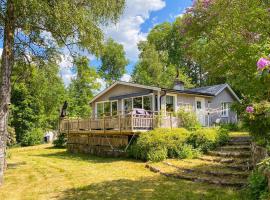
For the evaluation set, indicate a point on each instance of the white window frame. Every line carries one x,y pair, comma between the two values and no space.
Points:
225,107
102,102
132,99
174,102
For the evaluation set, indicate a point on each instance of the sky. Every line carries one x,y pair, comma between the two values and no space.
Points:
139,17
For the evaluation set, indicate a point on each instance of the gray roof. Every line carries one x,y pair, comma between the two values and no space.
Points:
213,90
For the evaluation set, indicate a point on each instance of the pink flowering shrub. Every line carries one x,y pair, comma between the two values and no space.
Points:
262,64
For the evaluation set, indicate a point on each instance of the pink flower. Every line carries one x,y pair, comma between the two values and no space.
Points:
249,109
262,64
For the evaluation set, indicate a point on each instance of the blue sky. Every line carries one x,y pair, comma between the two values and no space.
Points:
139,17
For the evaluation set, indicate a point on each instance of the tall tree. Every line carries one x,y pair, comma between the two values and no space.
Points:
113,61
82,88
228,42
23,26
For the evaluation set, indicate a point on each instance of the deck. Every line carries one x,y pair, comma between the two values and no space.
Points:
125,124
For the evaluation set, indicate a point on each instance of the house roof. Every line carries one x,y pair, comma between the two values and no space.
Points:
210,91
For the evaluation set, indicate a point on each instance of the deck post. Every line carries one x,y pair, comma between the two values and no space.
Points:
131,119
103,123
171,120
78,126
119,121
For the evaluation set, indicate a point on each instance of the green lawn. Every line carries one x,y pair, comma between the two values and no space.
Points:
43,172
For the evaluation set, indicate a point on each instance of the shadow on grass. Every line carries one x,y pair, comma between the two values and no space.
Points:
149,188
84,157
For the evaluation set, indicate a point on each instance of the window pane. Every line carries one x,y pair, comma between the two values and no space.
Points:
147,102
114,108
199,105
169,104
137,102
99,109
128,104
107,108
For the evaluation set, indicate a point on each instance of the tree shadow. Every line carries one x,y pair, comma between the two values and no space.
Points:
148,188
85,157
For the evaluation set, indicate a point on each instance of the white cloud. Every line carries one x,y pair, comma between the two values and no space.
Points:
66,65
128,30
126,78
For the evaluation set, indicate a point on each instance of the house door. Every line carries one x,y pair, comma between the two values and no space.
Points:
200,109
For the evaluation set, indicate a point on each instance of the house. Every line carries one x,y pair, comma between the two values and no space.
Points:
211,104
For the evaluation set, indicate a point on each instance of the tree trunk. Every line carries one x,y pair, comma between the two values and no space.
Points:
5,80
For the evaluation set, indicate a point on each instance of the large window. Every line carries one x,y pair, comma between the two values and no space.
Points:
170,103
225,109
147,102
128,104
107,108
137,102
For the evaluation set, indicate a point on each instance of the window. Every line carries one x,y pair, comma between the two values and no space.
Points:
128,104
114,108
169,103
147,102
224,109
137,102
99,109
198,105
107,108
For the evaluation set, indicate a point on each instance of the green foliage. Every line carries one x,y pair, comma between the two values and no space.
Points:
82,89
33,137
37,94
258,122
257,186
206,139
11,139
162,143
113,61
60,141
230,126
188,119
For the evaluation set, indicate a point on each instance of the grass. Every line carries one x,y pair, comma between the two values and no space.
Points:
43,172
238,133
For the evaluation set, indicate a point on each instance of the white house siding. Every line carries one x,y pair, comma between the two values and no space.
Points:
224,96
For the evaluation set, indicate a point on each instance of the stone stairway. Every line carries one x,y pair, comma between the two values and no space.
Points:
228,165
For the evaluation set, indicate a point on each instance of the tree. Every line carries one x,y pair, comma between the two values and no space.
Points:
82,88
24,25
37,94
113,61
228,42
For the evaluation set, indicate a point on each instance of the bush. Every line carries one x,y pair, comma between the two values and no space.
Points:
188,119
206,139
257,186
162,143
61,140
258,122
230,126
34,137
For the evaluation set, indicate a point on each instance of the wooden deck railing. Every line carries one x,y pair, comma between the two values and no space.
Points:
120,122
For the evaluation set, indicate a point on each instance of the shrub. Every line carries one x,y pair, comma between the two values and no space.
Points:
206,139
257,186
61,140
230,126
188,119
34,137
163,143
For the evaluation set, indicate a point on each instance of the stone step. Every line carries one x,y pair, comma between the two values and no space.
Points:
240,167
218,159
217,172
240,139
235,148
233,154
230,182
236,143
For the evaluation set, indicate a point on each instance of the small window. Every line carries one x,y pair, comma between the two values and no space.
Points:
199,105
137,102
169,103
147,102
224,109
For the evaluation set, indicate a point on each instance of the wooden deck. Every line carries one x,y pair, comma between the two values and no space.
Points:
120,124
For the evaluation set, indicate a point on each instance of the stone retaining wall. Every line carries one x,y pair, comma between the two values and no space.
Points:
97,144
258,154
